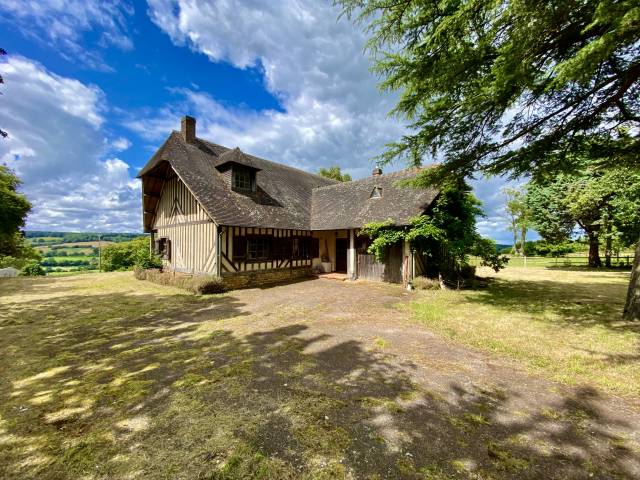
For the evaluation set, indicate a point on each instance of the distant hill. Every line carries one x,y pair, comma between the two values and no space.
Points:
501,246
44,236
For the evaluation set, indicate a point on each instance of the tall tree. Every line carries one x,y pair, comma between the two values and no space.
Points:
509,86
335,173
14,208
519,217
598,202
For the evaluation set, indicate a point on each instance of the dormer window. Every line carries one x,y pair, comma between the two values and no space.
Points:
376,193
244,179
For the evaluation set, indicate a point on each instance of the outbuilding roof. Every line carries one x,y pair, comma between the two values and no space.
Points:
372,199
286,197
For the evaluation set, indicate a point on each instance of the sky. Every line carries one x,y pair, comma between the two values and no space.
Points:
93,87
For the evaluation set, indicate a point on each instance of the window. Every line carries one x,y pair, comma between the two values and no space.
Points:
243,179
162,247
376,193
295,248
258,248
305,247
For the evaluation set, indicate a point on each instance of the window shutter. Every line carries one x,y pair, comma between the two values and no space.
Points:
239,247
315,247
156,247
168,250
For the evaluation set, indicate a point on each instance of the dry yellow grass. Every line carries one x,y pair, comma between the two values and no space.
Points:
564,324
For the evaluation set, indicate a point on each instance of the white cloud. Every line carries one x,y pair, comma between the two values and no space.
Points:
57,147
120,144
63,23
313,63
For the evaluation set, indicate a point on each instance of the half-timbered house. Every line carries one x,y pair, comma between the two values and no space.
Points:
215,210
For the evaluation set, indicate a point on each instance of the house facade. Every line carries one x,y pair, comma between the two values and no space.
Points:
220,211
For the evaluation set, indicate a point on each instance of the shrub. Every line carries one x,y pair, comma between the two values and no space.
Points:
144,259
33,269
124,255
425,283
198,284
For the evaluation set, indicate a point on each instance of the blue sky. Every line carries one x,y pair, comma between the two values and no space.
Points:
93,87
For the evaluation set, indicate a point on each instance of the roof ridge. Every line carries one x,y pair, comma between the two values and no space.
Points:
277,164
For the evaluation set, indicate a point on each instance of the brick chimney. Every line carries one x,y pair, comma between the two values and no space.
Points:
188,129
377,171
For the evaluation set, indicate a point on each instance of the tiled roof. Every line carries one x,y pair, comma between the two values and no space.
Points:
286,197
352,205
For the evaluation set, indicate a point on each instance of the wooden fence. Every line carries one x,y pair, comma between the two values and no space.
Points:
562,261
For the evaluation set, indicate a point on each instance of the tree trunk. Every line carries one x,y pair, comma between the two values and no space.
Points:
632,307
594,254
608,250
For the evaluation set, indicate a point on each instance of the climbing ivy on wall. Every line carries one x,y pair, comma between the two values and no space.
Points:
449,225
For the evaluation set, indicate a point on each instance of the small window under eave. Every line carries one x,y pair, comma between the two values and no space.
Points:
376,193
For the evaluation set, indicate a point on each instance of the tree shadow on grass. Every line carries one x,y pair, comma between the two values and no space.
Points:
173,393
580,304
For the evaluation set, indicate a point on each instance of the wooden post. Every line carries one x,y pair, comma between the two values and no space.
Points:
351,256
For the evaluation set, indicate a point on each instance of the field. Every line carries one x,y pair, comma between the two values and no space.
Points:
107,377
66,253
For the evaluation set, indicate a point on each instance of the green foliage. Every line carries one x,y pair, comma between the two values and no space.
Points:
519,216
449,224
124,255
603,203
543,248
335,173
383,235
144,258
485,248
508,86
32,269
14,208
549,211
21,252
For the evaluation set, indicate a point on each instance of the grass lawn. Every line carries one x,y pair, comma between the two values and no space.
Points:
564,324
106,377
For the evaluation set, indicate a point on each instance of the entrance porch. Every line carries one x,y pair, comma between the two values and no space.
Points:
344,252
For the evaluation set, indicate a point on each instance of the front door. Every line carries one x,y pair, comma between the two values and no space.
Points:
342,245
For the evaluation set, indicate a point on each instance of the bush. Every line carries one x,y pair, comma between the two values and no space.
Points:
33,269
124,255
144,259
426,283
198,284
